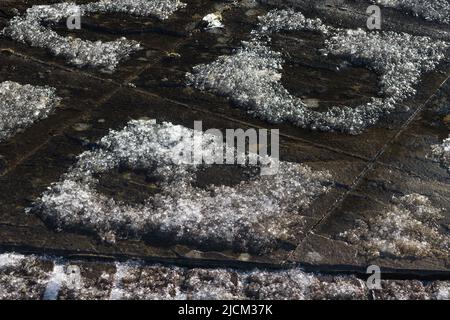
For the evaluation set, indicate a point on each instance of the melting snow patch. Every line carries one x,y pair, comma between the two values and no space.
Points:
252,76
30,29
399,59
22,105
437,10
442,153
253,215
410,228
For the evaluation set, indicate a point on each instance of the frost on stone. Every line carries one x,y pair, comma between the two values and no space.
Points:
441,153
408,229
251,77
22,105
436,10
253,215
33,29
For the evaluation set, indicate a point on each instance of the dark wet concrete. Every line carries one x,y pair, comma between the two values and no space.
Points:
387,159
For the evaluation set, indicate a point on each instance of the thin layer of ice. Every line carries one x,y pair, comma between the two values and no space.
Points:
254,215
251,77
409,229
30,29
22,105
436,10
442,153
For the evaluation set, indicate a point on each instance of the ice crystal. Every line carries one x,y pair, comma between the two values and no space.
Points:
442,153
251,77
437,10
22,105
213,20
31,29
410,228
253,215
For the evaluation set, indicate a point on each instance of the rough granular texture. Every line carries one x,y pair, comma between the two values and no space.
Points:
21,277
107,55
162,9
22,105
436,10
441,152
288,20
409,229
251,77
398,58
253,215
35,277
135,281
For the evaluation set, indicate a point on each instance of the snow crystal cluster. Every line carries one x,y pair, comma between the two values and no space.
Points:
442,153
30,29
399,59
22,105
409,229
35,277
437,10
162,9
134,281
288,20
251,77
212,21
253,215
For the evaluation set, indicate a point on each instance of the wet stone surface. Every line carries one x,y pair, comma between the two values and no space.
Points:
385,196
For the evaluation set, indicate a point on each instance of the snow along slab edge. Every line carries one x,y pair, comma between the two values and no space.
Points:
45,277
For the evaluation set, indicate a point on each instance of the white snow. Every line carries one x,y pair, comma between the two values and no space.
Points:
251,77
213,20
441,152
252,215
107,55
437,10
409,228
22,105
28,279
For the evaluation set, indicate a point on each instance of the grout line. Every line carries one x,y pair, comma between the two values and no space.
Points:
368,168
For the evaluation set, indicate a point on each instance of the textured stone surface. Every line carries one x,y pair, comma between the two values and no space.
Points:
37,277
387,199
